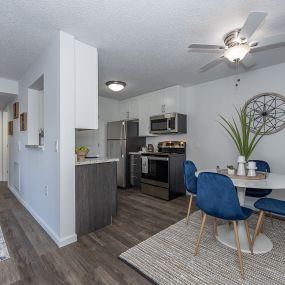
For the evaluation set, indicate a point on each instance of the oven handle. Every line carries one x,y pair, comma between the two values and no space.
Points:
168,124
157,158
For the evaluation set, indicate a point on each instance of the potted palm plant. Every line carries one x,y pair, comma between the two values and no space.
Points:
240,132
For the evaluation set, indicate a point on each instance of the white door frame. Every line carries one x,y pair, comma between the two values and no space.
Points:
5,150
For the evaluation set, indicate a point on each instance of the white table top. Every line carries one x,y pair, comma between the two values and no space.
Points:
273,181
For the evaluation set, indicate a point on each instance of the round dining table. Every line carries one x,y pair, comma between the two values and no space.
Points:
226,236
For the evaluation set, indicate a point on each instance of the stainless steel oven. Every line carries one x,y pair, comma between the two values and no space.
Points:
155,170
162,171
168,123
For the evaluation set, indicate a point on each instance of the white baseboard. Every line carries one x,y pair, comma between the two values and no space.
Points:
60,242
67,240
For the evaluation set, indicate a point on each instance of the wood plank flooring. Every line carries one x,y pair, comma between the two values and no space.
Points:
35,259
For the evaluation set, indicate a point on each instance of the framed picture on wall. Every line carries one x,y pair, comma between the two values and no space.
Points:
23,121
16,110
10,128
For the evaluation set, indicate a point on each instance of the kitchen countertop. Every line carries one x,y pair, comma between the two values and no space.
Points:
135,152
96,160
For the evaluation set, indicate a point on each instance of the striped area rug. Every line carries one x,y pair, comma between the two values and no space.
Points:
167,258
4,254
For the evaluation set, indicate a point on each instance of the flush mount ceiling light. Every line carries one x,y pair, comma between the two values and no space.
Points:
237,53
116,85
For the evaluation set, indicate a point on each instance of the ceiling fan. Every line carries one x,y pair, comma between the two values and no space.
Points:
238,42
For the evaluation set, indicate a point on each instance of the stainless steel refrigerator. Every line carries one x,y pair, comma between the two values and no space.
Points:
122,138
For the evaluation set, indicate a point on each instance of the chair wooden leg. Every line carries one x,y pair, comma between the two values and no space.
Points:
238,249
215,227
261,224
200,233
257,228
248,236
189,209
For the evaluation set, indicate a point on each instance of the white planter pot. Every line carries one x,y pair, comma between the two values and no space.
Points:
251,172
241,166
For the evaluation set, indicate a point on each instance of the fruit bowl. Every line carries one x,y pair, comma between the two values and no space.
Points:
81,152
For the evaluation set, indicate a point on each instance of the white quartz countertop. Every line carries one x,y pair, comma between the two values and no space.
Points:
96,160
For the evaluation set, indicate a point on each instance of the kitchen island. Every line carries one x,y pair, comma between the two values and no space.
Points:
95,193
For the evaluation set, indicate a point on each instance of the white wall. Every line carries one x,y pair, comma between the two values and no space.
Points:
9,86
54,166
96,140
67,138
35,115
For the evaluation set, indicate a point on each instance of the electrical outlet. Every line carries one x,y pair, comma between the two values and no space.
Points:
46,190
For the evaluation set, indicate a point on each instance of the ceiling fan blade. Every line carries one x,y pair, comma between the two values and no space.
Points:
202,46
211,64
248,62
270,42
251,24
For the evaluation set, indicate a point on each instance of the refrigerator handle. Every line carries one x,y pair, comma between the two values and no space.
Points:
122,137
124,130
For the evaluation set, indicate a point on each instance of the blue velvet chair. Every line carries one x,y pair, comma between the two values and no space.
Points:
190,182
267,205
259,193
217,197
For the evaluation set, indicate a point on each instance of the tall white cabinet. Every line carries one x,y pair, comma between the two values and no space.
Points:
86,86
166,100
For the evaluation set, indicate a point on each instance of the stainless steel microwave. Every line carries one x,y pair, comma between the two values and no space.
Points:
168,123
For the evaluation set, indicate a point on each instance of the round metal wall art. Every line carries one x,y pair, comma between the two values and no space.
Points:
267,110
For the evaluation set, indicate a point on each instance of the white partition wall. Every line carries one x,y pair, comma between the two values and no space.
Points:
47,175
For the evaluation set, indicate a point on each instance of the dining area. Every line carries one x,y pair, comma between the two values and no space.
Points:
222,238
221,193
221,198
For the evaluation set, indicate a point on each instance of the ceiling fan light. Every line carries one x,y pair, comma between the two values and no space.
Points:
116,85
236,53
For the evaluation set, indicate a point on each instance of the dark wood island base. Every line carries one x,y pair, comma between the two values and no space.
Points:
95,195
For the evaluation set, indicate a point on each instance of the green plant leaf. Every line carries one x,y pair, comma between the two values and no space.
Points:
240,132
234,133
232,136
238,136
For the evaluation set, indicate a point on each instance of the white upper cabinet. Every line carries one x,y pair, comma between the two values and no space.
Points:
155,103
86,86
171,100
142,107
133,108
129,109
